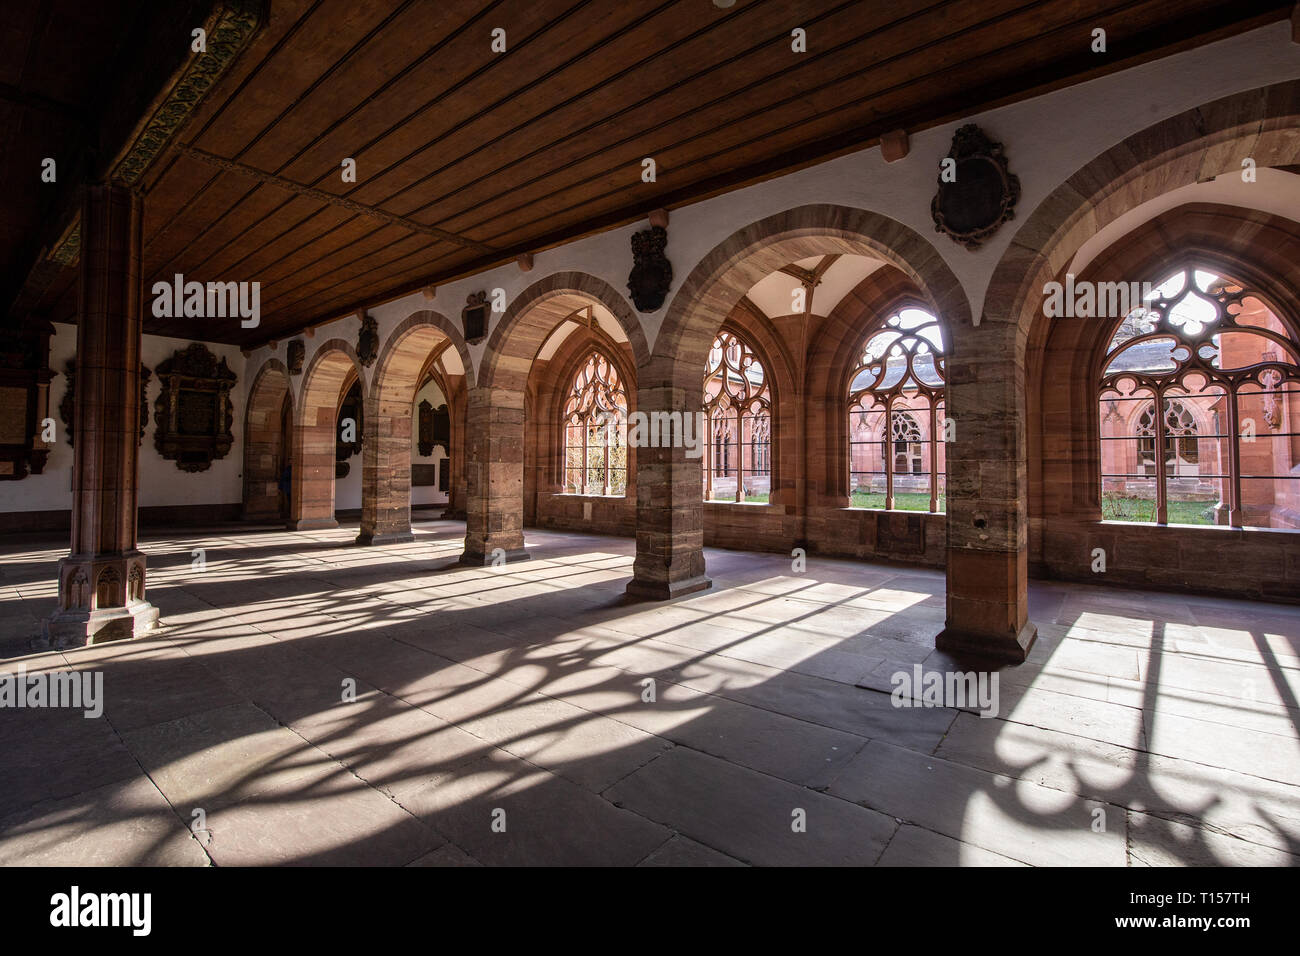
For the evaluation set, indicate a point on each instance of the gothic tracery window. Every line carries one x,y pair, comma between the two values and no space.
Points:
595,430
738,416
896,416
1222,369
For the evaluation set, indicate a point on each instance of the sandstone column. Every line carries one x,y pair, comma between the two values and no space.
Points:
313,464
386,471
494,475
669,507
988,488
102,580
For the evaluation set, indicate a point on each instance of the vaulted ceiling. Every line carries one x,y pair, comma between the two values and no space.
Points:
466,157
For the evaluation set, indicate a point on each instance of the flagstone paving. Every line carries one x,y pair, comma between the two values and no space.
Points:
308,701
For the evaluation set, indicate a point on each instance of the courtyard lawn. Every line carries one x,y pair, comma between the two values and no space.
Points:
1115,508
902,502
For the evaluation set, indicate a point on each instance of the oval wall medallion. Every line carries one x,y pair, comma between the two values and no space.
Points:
977,193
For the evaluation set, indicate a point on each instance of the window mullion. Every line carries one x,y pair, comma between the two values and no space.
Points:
1162,505
1234,461
586,445
889,455
740,455
608,463
710,453
934,458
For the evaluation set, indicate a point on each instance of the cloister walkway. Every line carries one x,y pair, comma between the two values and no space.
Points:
507,716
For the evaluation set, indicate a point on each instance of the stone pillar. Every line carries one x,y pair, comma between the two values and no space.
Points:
988,490
264,456
312,505
457,492
494,475
386,471
102,580
669,506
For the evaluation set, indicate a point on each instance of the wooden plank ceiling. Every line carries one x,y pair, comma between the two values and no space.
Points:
466,157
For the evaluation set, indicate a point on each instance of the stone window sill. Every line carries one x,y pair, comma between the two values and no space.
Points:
1112,523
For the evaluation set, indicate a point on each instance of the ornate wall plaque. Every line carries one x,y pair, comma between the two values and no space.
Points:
24,400
475,316
982,194
434,428
368,341
297,352
193,413
652,273
424,443
68,404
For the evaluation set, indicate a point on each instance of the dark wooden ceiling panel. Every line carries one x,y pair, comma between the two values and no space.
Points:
467,157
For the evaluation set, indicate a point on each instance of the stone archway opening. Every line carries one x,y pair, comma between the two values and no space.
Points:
315,439
1256,129
495,420
670,557
422,339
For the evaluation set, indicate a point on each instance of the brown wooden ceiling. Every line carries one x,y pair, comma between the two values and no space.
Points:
490,155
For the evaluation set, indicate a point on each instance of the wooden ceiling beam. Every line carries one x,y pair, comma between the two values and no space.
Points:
320,195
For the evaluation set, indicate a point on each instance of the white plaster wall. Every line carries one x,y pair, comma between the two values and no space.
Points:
161,482
347,490
1047,139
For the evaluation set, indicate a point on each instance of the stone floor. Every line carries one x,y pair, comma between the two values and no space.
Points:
1144,729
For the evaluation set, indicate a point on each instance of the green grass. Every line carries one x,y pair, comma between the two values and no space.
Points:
1116,508
902,502
749,499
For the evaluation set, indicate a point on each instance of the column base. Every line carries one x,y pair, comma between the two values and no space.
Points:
311,524
77,628
372,538
667,590
1001,648
477,559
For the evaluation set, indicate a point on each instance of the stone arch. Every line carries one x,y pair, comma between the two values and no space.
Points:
495,439
718,281
266,446
670,558
548,500
314,439
529,319
386,451
757,330
831,359
549,391
456,394
1065,362
1192,147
